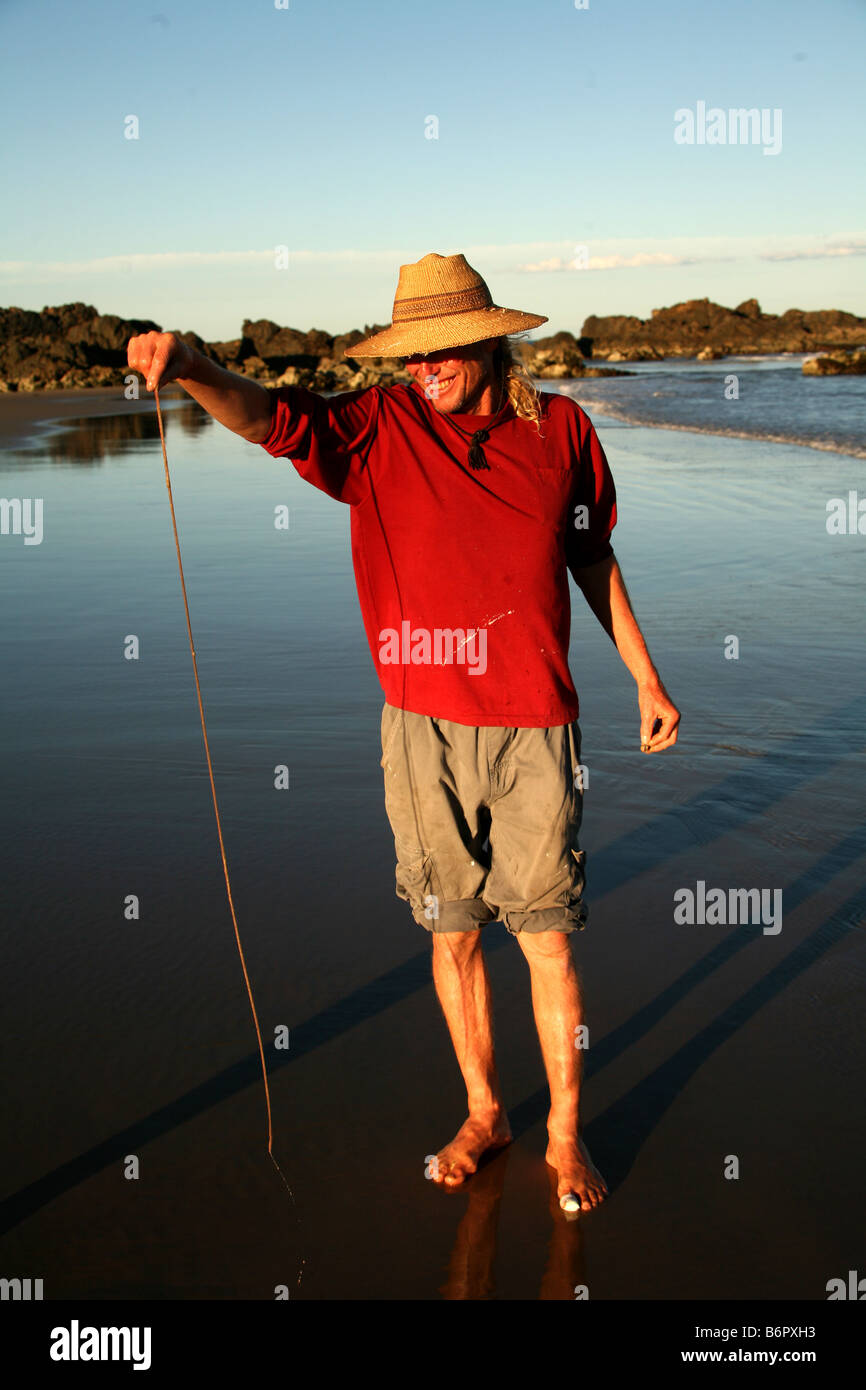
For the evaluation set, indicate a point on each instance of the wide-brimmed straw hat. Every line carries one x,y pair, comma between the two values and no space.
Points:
441,302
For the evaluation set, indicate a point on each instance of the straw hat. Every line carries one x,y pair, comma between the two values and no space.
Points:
441,302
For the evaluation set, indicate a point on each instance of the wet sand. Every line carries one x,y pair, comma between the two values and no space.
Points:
707,1043
25,414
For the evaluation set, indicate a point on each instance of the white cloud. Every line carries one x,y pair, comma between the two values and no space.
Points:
641,258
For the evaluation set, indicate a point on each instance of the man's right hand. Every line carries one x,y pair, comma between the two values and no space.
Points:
160,357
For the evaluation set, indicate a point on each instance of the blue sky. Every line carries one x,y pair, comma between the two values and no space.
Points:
307,127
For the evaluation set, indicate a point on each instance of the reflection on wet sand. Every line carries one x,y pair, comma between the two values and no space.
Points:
473,1257
470,1269
91,440
564,1276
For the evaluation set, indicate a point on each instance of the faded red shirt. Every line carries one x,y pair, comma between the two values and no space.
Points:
462,575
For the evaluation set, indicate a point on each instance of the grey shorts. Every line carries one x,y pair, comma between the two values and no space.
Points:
485,823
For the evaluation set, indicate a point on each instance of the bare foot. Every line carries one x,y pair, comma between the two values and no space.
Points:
479,1133
575,1170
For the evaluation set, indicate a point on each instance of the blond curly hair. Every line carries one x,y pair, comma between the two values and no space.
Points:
510,367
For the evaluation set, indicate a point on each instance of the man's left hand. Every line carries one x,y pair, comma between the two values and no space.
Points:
656,708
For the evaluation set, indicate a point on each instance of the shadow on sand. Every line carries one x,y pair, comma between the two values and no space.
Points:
616,1136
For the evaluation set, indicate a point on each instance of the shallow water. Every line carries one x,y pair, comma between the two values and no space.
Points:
133,1037
749,397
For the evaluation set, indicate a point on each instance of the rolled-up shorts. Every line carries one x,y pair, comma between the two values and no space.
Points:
485,823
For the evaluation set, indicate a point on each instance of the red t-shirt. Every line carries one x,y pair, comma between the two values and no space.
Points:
461,574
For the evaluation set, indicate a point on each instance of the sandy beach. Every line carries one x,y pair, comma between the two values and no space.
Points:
24,414
133,1037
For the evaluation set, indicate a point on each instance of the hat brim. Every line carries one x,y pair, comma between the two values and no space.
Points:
438,334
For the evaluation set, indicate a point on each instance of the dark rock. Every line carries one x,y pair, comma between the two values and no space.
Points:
558,358
837,364
40,349
346,341
683,330
227,354
256,367
74,345
265,339
318,344
191,339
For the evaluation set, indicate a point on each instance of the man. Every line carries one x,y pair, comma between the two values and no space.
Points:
472,497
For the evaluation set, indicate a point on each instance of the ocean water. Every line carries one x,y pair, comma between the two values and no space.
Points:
747,397
127,1033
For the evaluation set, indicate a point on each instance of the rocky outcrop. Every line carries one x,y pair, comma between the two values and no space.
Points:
73,345
699,326
836,364
560,357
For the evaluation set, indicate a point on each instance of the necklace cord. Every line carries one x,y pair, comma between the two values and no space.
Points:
477,459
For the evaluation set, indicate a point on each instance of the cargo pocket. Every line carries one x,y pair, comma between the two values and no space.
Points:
577,908
414,880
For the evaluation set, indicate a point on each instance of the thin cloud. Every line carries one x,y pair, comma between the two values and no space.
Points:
641,258
169,260
600,256
852,248
711,255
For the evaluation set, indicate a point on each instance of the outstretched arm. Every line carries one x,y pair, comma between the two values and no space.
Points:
237,402
603,587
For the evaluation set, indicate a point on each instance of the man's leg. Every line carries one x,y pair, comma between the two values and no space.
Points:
463,988
557,1002
437,783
